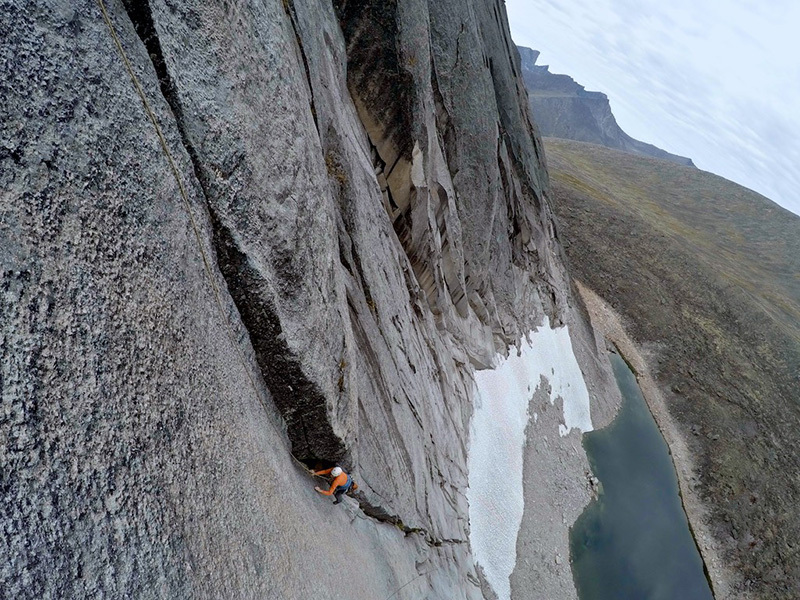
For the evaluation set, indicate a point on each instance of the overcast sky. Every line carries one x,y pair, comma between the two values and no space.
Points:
715,80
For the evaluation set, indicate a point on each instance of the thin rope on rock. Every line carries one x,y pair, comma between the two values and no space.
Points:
405,584
184,196
227,325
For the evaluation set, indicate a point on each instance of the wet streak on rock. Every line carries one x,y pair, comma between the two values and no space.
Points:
376,79
444,125
382,90
520,191
141,16
300,402
291,11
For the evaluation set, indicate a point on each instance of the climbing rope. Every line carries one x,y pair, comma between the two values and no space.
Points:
393,594
227,325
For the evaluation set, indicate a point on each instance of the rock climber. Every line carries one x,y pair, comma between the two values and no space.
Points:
341,484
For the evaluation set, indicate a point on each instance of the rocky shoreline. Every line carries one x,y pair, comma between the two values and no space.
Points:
609,324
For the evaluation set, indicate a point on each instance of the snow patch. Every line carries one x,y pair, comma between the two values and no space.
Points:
497,439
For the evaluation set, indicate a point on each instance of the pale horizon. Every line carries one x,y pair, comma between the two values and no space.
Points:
716,82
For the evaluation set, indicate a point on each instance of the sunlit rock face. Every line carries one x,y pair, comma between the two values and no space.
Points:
339,212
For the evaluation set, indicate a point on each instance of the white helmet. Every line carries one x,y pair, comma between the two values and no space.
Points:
336,471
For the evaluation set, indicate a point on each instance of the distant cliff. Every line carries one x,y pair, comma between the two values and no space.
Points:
564,109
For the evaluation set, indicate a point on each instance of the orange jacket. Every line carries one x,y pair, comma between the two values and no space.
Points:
340,480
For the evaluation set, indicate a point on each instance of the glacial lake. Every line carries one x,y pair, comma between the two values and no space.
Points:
633,542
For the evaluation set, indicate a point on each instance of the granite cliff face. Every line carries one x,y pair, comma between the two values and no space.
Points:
234,233
564,109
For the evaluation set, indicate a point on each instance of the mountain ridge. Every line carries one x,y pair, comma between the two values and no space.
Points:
703,272
564,109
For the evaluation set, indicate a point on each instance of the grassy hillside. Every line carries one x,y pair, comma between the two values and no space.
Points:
707,274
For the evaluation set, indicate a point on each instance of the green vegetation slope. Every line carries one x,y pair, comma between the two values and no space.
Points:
707,275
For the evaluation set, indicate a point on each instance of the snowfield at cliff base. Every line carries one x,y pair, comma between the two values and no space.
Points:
497,439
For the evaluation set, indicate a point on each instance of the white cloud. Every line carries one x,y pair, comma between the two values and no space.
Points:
717,81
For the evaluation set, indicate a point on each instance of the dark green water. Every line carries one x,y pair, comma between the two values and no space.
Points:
633,543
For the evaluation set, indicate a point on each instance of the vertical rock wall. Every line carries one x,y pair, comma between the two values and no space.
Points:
339,213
